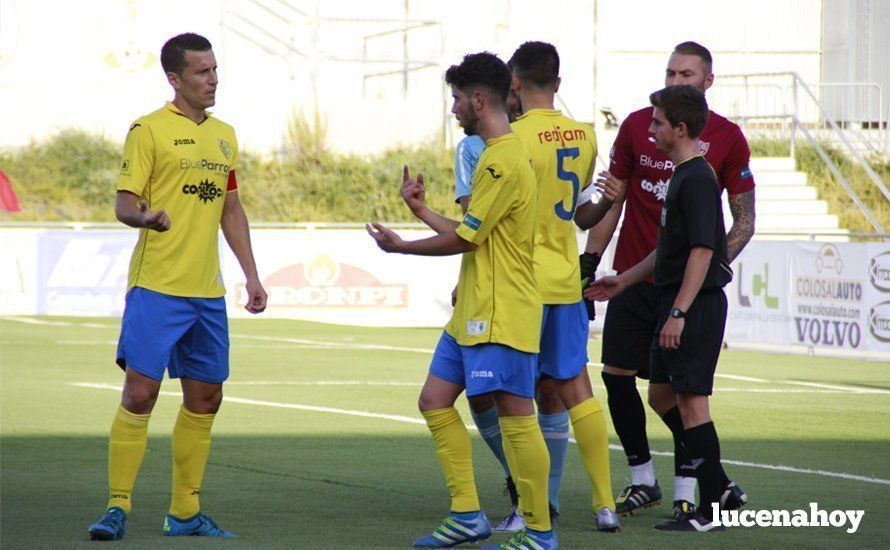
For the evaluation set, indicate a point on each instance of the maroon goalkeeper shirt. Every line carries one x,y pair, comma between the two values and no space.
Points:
647,170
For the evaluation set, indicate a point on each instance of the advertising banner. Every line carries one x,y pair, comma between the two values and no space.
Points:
759,295
340,276
83,272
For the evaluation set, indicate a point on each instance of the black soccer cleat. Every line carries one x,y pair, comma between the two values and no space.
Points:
692,524
733,497
683,509
636,497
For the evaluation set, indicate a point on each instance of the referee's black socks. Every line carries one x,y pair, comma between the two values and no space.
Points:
628,416
682,460
704,447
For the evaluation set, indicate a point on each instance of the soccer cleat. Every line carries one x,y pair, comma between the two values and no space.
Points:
198,525
683,509
513,522
111,526
607,521
457,529
527,539
694,523
635,497
733,497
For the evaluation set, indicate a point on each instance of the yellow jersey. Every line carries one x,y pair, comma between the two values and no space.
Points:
563,153
497,296
185,168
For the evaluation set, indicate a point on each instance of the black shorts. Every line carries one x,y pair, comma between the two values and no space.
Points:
690,368
627,330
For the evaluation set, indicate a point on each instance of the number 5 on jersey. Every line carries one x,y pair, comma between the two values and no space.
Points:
569,176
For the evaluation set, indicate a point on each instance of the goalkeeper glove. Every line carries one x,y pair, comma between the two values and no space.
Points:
589,262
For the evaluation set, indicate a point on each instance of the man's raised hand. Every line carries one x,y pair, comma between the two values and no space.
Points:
604,289
387,239
413,191
612,188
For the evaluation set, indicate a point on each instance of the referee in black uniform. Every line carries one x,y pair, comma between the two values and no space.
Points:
690,270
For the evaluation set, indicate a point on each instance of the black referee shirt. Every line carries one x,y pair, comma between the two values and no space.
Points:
692,216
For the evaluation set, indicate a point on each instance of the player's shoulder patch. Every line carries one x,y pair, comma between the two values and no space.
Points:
472,222
745,173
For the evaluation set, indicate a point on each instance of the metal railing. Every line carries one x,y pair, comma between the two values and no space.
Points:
778,105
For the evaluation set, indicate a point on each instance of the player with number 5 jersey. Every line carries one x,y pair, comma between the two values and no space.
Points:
563,154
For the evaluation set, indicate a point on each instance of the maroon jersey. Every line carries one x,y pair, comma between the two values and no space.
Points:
635,159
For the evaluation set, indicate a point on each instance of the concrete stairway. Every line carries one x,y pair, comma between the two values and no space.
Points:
786,203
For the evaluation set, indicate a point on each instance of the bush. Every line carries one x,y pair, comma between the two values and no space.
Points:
71,177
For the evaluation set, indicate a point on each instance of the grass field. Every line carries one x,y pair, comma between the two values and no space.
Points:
319,443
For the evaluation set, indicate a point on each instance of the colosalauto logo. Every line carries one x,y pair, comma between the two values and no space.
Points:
207,191
879,321
659,188
879,271
324,282
814,517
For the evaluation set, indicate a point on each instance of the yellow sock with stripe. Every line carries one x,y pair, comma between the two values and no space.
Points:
191,447
126,447
530,466
454,449
589,425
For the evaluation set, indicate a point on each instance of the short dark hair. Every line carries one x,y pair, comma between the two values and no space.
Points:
684,104
173,52
481,70
536,62
696,49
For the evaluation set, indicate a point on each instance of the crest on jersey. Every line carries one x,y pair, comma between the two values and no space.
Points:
225,148
704,146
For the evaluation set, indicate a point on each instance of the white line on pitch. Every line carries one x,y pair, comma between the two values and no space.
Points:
852,389
323,383
332,345
742,378
412,420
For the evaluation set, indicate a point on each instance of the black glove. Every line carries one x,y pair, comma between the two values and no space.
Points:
589,262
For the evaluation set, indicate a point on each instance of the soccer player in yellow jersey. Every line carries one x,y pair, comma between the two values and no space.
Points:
563,155
490,344
177,185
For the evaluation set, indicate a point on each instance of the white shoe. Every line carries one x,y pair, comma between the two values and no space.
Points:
513,522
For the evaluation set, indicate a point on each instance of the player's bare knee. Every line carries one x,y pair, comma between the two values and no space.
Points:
694,409
548,399
481,403
139,398
609,369
661,398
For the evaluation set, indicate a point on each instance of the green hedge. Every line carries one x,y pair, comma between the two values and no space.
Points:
71,177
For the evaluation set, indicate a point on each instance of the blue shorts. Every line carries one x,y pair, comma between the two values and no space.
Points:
485,368
188,337
564,331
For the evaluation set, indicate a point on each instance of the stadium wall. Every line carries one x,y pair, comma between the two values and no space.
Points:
800,296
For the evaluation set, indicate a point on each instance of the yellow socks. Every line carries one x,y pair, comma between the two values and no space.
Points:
126,447
589,425
454,450
530,465
191,446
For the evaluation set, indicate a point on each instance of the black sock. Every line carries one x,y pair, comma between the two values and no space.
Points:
628,417
704,446
682,460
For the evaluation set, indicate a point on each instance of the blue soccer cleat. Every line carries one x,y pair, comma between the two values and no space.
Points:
528,539
457,529
112,526
198,525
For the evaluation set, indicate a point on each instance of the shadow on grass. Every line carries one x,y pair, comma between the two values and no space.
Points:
366,492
